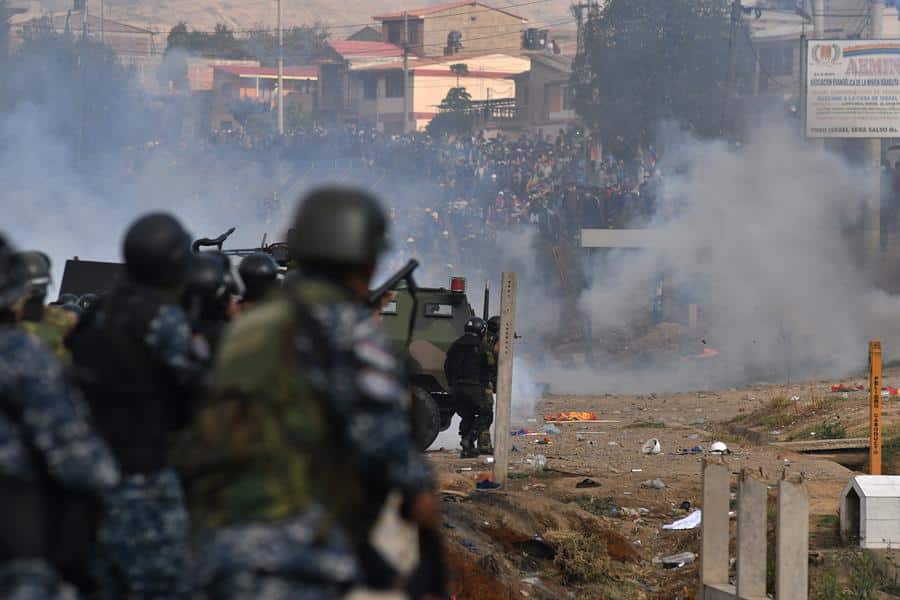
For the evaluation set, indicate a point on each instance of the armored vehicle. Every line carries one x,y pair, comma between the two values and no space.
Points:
441,315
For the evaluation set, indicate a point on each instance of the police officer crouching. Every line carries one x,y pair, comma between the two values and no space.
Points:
133,356
468,371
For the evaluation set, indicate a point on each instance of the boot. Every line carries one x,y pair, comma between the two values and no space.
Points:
484,443
468,448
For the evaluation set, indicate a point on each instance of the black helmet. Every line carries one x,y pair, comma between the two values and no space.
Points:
157,251
259,272
493,325
338,225
87,300
37,268
13,276
205,276
231,284
67,299
476,325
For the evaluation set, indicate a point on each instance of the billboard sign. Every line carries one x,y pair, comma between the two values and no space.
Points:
853,89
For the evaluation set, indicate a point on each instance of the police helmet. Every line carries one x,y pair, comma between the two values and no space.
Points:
157,251
231,282
13,276
259,272
67,299
338,225
493,325
206,276
476,325
37,269
87,300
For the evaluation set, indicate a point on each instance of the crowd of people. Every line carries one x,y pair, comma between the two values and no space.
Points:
182,442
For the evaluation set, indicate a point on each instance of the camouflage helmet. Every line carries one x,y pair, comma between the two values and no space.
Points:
13,276
476,325
339,225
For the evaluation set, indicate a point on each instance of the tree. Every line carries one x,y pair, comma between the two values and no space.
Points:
455,117
646,62
457,99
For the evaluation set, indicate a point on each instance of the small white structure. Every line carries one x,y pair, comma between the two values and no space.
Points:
870,511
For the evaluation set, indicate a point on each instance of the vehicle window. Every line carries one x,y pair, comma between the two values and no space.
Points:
444,311
390,308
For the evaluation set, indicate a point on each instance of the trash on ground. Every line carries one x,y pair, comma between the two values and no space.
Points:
890,391
514,448
840,387
688,451
488,460
698,421
652,446
795,398
676,561
551,429
637,470
692,521
718,448
520,431
537,462
462,469
686,505
572,415
587,483
487,484
468,544
643,511
654,484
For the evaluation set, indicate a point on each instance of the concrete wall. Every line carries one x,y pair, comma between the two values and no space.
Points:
483,30
543,100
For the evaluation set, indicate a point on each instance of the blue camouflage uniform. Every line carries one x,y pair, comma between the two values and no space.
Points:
40,415
288,463
143,542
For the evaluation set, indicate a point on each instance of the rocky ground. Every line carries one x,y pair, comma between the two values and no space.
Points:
543,536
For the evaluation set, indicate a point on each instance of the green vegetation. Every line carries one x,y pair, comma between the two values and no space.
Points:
595,505
829,430
580,558
647,424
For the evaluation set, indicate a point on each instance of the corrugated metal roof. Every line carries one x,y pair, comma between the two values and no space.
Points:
359,49
876,486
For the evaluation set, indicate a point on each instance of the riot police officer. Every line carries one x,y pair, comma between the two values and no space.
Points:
307,387
259,273
133,354
50,324
486,411
206,298
53,467
468,371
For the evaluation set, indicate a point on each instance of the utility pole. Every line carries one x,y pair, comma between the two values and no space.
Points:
84,23
872,225
405,72
102,23
280,74
732,63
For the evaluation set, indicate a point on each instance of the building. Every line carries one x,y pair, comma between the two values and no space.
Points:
334,95
376,90
366,34
870,511
465,26
543,94
259,84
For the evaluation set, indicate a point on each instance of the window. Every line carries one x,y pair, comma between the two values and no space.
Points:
567,98
370,87
394,32
390,308
777,60
442,311
394,85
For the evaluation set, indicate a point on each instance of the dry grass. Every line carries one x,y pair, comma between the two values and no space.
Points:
581,559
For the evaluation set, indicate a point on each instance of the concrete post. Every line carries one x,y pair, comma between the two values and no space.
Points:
751,538
504,376
714,561
792,541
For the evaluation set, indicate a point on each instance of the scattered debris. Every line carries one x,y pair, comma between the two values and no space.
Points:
698,421
676,561
587,483
637,470
692,521
537,462
840,387
488,460
688,451
686,505
652,446
654,484
890,391
571,416
551,429
487,484
718,448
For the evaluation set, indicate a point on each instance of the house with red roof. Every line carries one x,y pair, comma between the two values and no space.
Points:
469,26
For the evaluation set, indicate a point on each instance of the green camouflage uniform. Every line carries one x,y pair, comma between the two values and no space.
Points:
486,408
52,330
285,471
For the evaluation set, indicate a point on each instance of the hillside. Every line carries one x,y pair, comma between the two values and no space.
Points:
160,15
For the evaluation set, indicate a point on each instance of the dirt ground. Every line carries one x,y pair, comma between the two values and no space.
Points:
542,537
